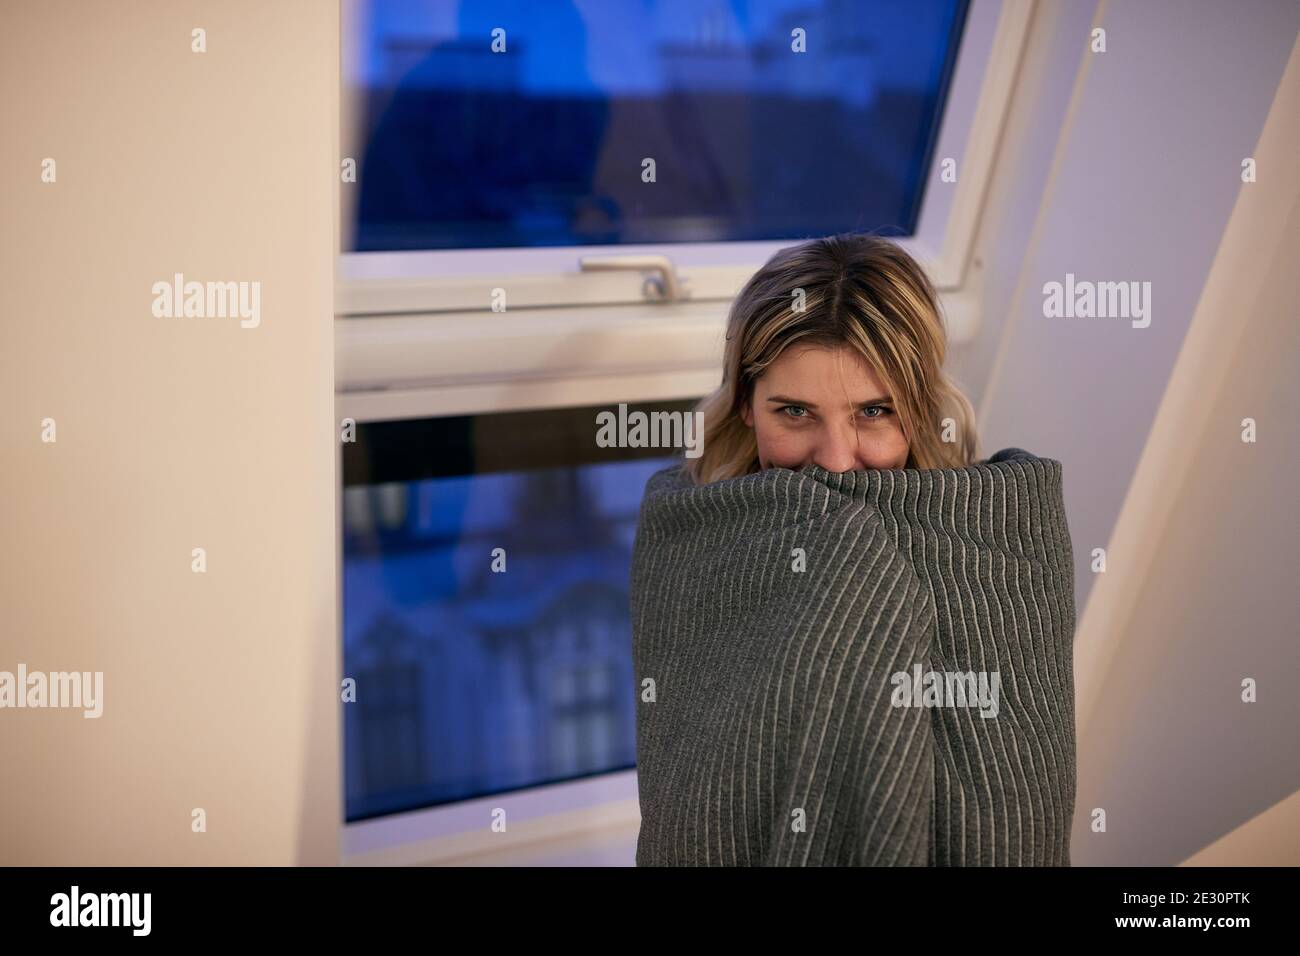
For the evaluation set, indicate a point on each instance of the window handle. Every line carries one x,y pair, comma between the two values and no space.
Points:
665,286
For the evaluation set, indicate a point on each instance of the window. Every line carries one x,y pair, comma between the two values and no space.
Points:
520,124
485,575
478,171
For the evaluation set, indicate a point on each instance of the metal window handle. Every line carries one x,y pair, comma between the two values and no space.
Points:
665,286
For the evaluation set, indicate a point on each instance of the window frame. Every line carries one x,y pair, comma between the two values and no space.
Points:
605,805
413,341
440,281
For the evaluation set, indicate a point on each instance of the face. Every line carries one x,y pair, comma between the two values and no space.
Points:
824,406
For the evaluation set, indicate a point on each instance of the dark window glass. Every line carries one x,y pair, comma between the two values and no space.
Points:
543,144
468,681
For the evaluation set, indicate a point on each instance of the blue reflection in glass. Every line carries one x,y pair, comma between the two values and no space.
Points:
471,681
545,143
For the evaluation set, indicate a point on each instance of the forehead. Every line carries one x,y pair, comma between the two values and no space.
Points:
824,371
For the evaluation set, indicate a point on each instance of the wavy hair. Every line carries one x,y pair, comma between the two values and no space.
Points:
854,290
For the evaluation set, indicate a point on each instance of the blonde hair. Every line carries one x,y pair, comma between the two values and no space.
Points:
854,290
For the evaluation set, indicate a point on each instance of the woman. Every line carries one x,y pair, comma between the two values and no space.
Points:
852,640
868,369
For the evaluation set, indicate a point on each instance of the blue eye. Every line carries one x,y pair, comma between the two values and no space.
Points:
883,409
789,409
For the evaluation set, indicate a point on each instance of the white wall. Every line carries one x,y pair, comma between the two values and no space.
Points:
1117,166
1200,593
172,433
1127,166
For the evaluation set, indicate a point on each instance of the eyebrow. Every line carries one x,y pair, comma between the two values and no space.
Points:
878,400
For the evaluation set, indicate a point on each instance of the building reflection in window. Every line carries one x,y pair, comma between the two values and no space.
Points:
469,680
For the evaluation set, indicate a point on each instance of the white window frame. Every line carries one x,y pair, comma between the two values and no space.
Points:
561,815
460,280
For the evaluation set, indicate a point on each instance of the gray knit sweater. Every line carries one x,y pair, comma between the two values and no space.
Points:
867,668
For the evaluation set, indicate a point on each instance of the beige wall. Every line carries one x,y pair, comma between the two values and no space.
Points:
172,433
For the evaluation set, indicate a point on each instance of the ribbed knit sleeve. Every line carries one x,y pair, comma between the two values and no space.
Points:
772,618
992,546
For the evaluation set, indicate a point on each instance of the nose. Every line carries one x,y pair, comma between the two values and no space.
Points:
837,449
